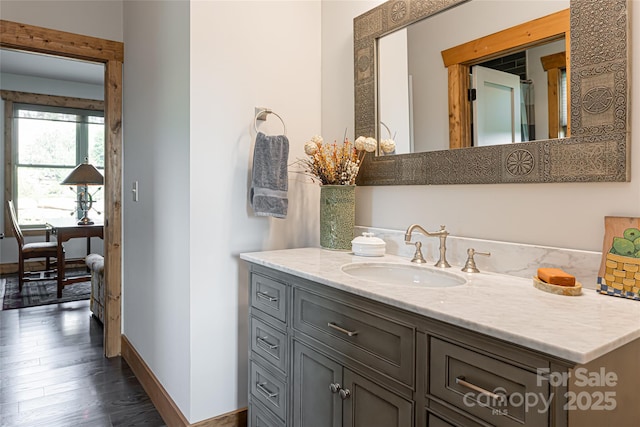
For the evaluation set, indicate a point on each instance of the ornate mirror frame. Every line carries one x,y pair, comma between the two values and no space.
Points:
599,146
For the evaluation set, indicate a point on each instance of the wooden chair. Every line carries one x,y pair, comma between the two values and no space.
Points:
26,251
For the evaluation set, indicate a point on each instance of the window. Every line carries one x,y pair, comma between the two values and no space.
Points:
46,143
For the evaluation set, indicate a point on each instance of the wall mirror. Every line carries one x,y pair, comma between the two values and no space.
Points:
597,100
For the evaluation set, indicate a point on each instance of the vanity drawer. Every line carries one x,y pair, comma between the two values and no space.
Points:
269,296
269,389
470,381
269,343
259,416
376,341
435,421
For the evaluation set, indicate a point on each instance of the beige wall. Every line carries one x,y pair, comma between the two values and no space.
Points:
563,215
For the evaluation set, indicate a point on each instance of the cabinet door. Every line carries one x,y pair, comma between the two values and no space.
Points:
315,403
369,405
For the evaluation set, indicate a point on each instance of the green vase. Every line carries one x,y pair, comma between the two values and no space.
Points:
337,216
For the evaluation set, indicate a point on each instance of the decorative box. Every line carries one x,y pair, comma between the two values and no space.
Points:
368,245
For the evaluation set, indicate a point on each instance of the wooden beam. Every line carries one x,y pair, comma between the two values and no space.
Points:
113,207
8,163
52,100
459,107
556,60
510,40
553,102
553,65
14,35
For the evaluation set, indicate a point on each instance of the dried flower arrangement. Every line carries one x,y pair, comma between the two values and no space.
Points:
339,164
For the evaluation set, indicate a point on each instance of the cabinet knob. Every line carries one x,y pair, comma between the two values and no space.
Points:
334,387
345,393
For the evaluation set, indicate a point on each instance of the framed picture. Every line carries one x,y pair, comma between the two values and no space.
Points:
619,273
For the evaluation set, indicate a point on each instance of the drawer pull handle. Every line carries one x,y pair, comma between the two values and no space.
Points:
345,393
262,342
261,387
344,331
497,397
334,387
267,297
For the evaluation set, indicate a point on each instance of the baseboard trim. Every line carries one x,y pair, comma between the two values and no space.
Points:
237,418
12,267
167,408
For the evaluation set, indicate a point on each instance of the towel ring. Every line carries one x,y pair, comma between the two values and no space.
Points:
262,115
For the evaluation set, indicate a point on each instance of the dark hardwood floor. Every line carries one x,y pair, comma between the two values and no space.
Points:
53,372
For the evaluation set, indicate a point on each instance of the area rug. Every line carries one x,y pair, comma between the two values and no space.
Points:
42,292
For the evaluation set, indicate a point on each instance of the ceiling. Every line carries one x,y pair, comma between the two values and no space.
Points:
51,67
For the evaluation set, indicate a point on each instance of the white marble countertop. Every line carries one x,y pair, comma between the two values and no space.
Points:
577,329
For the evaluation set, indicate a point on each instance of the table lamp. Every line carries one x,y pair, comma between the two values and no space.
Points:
84,175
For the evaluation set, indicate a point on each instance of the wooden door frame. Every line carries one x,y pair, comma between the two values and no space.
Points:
30,38
459,60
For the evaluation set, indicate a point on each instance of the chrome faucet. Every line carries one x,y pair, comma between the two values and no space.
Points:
417,256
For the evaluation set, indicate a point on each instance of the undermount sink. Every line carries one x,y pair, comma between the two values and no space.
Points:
401,274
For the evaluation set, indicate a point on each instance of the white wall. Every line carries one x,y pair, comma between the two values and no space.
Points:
97,18
193,75
243,55
156,275
564,215
393,91
538,75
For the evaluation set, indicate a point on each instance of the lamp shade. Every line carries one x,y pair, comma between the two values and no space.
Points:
84,174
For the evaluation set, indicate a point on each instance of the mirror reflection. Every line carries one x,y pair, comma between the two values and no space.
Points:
515,94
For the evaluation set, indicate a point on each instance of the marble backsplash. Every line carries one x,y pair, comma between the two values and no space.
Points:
515,259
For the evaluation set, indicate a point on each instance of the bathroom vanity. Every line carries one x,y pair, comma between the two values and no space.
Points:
328,348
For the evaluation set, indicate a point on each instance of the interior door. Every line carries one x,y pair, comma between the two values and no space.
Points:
496,108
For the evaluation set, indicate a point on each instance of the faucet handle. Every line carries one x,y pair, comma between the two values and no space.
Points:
470,265
417,256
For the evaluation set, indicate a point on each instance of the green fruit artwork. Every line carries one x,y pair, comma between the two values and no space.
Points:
631,234
636,243
613,251
624,247
637,255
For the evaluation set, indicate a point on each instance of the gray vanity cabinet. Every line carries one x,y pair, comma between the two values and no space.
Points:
321,357
317,381
327,394
370,405
268,352
485,385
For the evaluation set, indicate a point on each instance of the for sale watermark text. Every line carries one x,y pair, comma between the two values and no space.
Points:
586,390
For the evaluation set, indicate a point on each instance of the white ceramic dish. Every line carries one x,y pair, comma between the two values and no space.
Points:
368,245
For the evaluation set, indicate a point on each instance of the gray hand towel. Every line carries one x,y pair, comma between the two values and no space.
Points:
269,180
